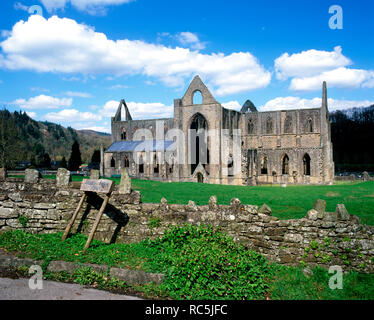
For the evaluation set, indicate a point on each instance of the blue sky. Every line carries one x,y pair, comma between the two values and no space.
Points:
74,63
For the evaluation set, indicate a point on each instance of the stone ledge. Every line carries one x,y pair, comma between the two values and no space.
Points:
131,277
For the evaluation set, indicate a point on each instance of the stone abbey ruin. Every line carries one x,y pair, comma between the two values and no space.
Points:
208,143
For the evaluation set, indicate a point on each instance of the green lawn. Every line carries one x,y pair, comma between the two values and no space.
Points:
198,262
291,202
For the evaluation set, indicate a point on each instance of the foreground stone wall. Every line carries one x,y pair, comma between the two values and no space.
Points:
321,238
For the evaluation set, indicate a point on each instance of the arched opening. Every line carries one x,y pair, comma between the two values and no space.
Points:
123,134
264,165
309,125
285,164
230,166
199,152
306,165
269,125
251,127
156,166
126,162
141,165
200,177
197,97
288,124
112,163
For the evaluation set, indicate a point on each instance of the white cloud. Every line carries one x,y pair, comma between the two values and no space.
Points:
72,115
78,94
90,6
309,63
292,103
31,114
191,40
62,45
309,69
233,105
118,86
139,110
43,102
337,78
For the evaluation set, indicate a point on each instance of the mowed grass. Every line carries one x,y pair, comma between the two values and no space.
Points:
291,202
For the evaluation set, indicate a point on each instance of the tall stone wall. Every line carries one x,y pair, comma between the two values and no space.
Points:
321,238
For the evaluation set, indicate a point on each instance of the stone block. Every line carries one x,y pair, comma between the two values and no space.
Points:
8,213
342,212
32,176
95,174
320,207
312,214
265,209
125,184
63,178
3,174
293,237
331,216
134,277
213,203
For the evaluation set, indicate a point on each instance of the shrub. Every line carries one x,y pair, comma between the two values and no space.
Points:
207,264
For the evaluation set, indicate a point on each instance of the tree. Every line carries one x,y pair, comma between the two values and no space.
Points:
96,156
75,158
63,163
10,150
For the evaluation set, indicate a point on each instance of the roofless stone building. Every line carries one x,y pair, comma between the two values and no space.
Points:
207,143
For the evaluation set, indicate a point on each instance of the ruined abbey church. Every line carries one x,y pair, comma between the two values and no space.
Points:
205,142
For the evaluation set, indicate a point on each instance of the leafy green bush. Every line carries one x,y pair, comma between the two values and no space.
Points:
207,264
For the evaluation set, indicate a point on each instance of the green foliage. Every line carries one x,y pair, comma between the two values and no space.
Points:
23,220
291,284
154,222
207,264
314,245
75,158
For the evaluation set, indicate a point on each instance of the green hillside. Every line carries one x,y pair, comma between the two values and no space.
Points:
24,139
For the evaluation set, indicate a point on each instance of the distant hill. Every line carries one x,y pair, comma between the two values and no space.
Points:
352,135
23,138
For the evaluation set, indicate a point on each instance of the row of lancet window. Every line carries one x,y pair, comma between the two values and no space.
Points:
288,128
285,165
156,166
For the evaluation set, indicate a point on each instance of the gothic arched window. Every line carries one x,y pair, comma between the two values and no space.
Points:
285,164
269,125
264,165
288,124
306,165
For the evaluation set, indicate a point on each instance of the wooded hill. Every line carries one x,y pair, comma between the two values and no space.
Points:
24,139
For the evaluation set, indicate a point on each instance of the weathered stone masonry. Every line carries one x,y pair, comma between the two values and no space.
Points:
340,238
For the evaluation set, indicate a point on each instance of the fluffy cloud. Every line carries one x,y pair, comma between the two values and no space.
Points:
43,102
139,110
338,78
62,45
78,94
291,103
72,115
233,105
190,39
309,63
309,69
90,6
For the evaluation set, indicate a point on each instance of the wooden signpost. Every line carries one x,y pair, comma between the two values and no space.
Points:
90,185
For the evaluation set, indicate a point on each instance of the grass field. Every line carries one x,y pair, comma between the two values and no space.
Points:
291,202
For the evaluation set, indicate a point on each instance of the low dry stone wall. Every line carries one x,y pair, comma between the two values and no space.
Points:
321,238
